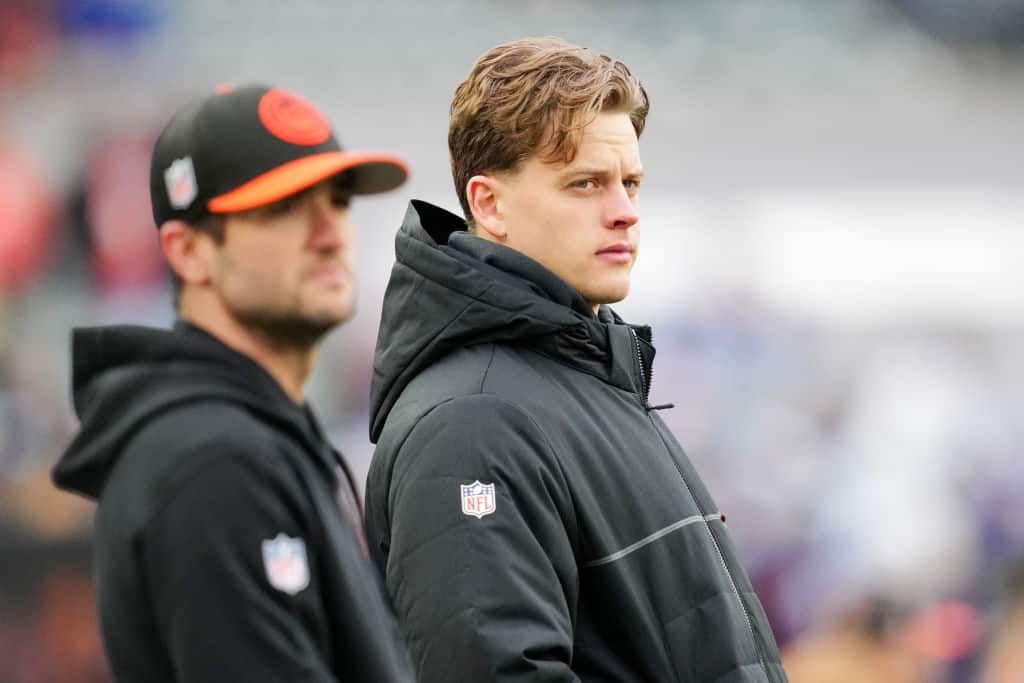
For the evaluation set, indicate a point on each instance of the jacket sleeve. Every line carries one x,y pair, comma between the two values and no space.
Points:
488,596
229,606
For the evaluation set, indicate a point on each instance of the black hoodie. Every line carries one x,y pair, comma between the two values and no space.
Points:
534,516
221,553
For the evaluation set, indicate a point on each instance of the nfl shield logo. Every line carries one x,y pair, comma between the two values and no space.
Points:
284,560
477,499
180,179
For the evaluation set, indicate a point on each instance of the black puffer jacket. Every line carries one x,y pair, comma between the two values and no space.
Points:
598,555
220,551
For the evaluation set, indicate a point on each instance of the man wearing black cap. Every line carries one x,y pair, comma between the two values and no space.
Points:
228,532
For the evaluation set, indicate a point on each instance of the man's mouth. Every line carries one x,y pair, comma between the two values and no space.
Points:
620,252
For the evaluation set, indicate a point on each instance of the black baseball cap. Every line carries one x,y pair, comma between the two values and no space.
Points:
242,148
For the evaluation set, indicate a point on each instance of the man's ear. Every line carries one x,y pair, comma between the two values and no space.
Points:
483,193
186,252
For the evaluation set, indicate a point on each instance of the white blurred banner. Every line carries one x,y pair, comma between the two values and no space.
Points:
847,257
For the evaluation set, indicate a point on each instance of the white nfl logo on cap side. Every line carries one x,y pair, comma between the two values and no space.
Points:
180,178
284,560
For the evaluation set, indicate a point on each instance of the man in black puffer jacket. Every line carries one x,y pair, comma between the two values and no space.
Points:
535,518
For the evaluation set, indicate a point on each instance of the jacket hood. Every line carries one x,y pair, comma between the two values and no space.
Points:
450,289
124,375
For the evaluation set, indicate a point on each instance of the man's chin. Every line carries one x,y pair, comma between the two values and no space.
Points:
297,331
610,295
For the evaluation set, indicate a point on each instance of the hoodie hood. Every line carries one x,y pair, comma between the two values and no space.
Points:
450,289
123,376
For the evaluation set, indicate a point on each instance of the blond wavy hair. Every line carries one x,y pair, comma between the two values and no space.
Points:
534,96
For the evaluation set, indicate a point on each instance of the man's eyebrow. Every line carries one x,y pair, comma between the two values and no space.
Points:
636,174
583,170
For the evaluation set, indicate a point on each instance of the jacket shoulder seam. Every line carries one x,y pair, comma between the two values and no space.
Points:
552,454
487,369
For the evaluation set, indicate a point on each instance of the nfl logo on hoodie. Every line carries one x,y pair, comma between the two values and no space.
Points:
477,499
284,560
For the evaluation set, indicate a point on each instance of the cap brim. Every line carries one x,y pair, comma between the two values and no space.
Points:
371,172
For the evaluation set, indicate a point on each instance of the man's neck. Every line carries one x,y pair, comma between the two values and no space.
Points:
289,365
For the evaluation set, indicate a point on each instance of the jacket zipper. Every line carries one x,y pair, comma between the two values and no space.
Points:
721,558
645,386
645,382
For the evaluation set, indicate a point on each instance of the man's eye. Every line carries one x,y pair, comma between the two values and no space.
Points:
282,206
584,184
631,184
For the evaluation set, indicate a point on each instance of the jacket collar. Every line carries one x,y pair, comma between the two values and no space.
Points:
450,289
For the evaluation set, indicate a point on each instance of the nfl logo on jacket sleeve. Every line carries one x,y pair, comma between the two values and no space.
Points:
477,499
284,560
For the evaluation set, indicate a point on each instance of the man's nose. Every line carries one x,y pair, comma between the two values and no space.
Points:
330,224
620,211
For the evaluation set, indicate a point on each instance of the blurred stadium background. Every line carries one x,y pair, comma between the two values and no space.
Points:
833,231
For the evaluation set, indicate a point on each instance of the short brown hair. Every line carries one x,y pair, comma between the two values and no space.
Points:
530,93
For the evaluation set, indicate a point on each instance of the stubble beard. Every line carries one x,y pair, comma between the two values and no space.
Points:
290,329
287,331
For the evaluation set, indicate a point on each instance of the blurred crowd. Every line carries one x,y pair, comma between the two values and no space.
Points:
869,472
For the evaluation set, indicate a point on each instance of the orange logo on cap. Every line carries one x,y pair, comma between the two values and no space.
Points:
293,119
